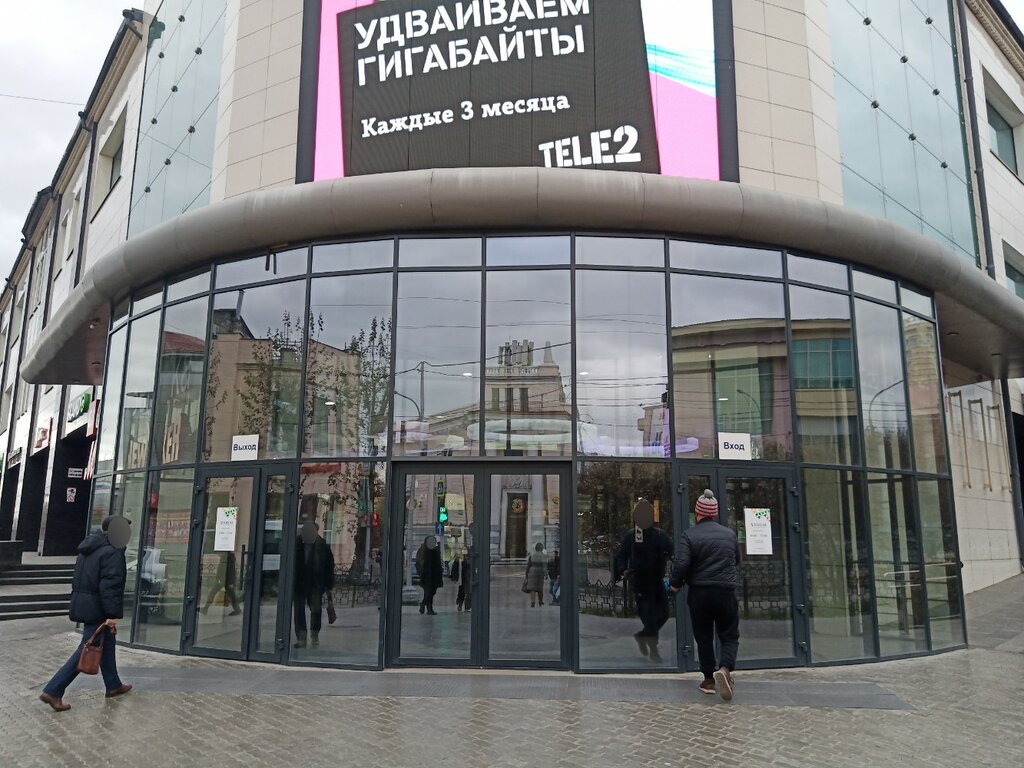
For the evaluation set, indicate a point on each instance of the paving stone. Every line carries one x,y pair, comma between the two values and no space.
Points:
963,710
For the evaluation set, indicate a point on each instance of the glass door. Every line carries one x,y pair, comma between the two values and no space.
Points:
434,555
759,506
233,603
478,560
523,571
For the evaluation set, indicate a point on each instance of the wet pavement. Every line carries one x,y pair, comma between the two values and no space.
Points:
955,709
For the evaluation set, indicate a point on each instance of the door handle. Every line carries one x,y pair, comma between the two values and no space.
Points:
801,608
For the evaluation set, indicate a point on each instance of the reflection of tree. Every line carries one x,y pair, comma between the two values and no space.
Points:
355,380
215,398
263,375
342,500
269,385
607,492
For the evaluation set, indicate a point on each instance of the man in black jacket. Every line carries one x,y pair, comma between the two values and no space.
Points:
97,600
643,553
709,556
314,577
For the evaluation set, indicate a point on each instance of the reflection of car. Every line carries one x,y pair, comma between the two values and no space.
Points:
152,580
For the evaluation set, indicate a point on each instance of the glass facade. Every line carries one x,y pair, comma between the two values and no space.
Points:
177,126
326,412
900,131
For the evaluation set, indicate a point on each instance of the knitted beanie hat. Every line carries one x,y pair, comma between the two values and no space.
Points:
707,505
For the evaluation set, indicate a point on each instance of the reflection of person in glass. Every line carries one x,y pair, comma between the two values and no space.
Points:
555,575
643,555
314,576
536,569
461,574
227,583
709,556
428,566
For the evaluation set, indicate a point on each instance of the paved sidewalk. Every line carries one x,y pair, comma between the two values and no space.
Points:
956,709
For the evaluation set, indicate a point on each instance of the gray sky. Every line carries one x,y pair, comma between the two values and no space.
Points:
57,55
48,50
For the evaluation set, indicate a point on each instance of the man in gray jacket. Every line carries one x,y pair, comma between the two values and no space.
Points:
707,561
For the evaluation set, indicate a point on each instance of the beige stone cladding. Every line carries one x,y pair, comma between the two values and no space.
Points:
785,98
259,99
981,485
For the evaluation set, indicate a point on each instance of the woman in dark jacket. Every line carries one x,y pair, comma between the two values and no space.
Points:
462,574
536,567
97,600
428,565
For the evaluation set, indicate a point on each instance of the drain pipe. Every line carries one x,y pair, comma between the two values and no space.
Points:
1011,447
972,114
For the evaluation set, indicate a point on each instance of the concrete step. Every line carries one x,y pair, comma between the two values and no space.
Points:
41,566
55,606
31,615
33,579
39,597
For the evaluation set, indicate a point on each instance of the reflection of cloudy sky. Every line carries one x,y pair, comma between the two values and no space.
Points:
438,322
264,308
620,335
697,300
809,304
881,364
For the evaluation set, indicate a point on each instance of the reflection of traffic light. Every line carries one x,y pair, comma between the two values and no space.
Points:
376,519
442,510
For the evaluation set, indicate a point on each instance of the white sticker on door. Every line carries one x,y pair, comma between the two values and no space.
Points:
757,523
224,533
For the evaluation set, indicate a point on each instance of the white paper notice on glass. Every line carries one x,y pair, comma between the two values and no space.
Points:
758,525
245,447
734,445
227,525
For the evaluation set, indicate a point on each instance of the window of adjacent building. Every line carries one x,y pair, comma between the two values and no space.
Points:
1014,275
108,164
1000,135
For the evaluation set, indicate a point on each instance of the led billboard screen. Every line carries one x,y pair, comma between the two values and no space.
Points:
607,84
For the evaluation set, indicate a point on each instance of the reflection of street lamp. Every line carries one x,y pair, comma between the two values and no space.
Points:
874,397
419,411
757,405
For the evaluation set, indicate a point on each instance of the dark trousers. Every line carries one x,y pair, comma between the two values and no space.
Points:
652,607
429,591
229,593
465,597
108,664
315,602
715,610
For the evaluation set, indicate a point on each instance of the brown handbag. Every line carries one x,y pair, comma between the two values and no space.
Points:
92,652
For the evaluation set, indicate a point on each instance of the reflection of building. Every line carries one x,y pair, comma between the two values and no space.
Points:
261,395
179,380
345,500
526,410
732,376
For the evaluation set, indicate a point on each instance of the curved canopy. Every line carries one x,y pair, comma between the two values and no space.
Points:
982,323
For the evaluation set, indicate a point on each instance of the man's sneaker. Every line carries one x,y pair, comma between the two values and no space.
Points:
708,686
724,679
641,643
